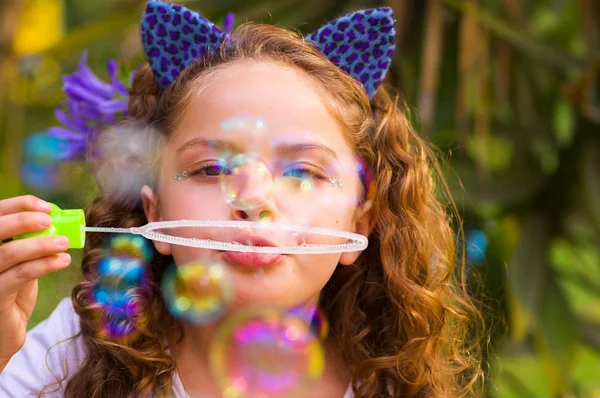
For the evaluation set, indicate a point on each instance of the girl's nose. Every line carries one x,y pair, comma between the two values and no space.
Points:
240,214
264,213
249,183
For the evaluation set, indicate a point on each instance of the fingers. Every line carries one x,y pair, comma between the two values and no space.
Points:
18,276
21,251
19,223
23,214
23,203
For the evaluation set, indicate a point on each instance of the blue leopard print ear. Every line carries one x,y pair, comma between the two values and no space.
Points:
361,44
174,36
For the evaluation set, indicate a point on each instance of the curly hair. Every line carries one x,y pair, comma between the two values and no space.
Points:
401,313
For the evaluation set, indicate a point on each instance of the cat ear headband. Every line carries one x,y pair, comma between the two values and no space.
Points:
361,43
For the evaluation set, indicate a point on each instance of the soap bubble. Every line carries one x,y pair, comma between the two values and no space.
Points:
121,272
42,177
45,149
119,311
122,328
266,354
119,328
476,245
116,292
116,302
135,246
197,292
313,317
246,124
123,157
248,182
366,178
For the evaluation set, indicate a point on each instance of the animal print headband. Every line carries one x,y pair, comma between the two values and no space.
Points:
361,43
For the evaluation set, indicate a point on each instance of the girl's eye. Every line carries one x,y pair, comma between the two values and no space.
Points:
211,170
304,172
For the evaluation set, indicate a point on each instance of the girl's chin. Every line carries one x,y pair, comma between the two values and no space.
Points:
265,300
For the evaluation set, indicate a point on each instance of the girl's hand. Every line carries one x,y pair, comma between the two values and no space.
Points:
22,262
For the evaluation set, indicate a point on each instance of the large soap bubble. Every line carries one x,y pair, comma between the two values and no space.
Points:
197,292
268,354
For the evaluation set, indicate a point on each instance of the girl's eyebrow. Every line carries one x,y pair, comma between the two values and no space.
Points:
212,144
292,149
286,149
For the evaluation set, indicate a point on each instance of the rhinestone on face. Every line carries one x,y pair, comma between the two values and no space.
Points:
181,176
334,181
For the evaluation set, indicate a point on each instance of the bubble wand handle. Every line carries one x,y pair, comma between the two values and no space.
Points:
112,230
69,223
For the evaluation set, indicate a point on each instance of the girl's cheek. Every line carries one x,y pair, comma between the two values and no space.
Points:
192,202
184,255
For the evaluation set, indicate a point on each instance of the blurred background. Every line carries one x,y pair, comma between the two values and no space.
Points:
509,91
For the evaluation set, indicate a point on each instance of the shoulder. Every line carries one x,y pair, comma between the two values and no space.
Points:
349,392
52,351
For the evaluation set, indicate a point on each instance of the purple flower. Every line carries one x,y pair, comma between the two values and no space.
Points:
91,103
228,26
228,22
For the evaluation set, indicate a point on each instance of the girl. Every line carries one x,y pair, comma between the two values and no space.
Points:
401,324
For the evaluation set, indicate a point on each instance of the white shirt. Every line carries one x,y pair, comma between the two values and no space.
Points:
51,353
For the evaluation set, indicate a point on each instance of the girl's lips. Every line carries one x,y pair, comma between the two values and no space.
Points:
256,260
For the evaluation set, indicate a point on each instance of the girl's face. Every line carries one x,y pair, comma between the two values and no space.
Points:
278,169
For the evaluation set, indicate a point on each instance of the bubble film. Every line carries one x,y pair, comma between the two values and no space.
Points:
130,246
343,241
40,177
268,354
197,292
44,149
123,156
121,274
246,124
248,182
315,319
119,311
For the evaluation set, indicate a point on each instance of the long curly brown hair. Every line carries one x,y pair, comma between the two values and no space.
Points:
401,315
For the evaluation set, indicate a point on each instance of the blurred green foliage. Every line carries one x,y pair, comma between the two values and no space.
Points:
508,90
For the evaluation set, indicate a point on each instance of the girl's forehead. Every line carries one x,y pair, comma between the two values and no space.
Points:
259,102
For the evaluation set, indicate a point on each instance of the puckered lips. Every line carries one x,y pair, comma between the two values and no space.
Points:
254,260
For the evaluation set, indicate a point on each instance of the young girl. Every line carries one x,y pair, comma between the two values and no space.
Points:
401,324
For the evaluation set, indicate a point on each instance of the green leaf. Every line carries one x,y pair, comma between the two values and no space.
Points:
563,122
546,152
590,184
494,152
537,290
544,20
528,269
591,335
504,189
585,371
519,376
557,325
